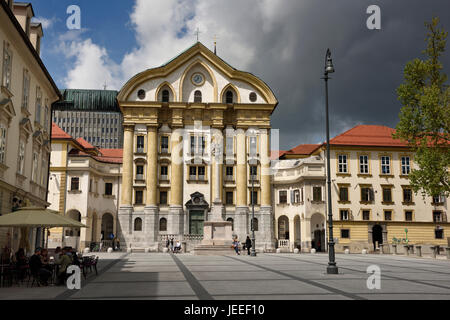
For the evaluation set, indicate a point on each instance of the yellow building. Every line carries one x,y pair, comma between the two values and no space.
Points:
372,200
175,117
26,94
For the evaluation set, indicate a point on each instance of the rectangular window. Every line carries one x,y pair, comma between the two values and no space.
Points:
38,104
229,173
139,197
26,89
385,165
254,197
343,213
407,195
364,164
408,216
253,172
229,197
387,194
7,66
46,115
345,233
192,173
342,163
283,196
21,156
366,215
201,173
367,194
164,172
164,144
388,215
406,168
437,216
75,184
343,193
108,188
163,197
193,144
317,194
2,143
439,233
438,200
34,174
297,196
140,144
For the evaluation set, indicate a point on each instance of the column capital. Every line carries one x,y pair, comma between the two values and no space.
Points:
128,127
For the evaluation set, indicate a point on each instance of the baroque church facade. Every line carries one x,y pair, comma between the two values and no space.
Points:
196,134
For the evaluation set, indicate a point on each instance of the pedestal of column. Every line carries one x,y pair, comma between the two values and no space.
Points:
266,237
175,220
151,227
124,229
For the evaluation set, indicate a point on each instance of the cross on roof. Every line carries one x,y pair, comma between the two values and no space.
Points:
197,33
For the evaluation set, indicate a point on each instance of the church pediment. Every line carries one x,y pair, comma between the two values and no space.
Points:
196,69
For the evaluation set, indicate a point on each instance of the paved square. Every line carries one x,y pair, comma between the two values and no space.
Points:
267,276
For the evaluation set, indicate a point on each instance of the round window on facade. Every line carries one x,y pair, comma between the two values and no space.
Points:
252,97
141,94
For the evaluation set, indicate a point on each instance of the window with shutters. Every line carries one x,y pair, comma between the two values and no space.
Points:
343,193
367,194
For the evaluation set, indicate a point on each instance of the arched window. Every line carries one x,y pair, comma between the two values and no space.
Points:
163,224
138,224
232,223
229,96
165,95
255,224
197,96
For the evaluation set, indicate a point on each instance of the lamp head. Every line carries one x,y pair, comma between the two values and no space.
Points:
329,68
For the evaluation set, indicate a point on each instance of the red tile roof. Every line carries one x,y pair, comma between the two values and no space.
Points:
85,144
304,149
58,133
368,135
110,155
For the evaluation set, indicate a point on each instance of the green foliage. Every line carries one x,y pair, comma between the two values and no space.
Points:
425,116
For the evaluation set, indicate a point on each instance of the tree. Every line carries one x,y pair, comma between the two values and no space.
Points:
425,116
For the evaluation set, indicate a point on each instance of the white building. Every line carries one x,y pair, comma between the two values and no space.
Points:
84,184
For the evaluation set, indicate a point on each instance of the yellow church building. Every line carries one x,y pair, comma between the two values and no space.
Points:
196,134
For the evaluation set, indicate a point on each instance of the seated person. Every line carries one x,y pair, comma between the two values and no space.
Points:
37,268
75,259
177,247
21,262
64,261
45,259
57,254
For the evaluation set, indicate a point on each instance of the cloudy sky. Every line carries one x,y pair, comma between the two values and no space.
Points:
281,41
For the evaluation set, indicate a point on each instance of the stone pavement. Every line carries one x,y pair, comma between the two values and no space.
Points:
267,276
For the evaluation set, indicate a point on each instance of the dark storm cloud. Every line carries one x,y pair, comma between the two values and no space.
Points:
369,63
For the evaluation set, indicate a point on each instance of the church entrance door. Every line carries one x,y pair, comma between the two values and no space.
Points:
196,219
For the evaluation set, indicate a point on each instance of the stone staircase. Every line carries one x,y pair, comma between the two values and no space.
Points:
213,250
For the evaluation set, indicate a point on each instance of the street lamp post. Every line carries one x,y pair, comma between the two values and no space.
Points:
253,250
332,268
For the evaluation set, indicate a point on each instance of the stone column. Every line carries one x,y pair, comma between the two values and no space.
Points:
151,207
241,217
218,208
266,214
175,221
84,233
305,234
291,234
127,168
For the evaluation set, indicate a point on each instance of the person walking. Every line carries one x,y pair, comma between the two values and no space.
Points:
248,244
236,246
171,244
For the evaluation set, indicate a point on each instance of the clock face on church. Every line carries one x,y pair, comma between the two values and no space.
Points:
198,79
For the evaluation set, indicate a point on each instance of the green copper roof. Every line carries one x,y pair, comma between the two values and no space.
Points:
88,100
